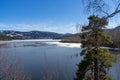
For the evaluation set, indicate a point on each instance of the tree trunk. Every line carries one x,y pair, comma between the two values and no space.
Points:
96,70
96,64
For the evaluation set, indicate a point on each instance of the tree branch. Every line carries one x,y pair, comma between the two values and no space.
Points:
117,10
112,14
117,7
99,5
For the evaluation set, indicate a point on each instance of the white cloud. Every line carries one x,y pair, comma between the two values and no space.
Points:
66,28
44,26
50,26
113,23
1,24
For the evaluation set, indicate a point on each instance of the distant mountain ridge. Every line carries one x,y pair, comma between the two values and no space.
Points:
31,34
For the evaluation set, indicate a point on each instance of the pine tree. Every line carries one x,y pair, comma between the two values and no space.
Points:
97,60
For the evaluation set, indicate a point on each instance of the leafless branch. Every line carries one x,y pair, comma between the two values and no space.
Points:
117,10
117,7
103,11
100,6
112,14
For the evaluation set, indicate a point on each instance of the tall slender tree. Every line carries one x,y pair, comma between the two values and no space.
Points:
96,60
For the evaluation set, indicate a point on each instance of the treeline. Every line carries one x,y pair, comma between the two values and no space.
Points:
2,37
115,34
71,38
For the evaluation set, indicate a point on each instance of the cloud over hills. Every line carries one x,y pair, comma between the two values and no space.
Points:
44,26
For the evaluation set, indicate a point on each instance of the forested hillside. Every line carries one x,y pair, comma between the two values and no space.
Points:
115,33
2,37
31,34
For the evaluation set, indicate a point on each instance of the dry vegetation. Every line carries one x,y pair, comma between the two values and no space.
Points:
10,69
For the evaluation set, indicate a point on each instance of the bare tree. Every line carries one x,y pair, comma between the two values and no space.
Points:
102,6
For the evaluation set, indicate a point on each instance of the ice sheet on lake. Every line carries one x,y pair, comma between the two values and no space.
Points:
72,45
47,41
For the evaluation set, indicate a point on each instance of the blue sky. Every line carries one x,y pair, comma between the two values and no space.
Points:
44,15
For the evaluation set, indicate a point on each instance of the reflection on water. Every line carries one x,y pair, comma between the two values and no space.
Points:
43,60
